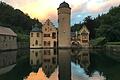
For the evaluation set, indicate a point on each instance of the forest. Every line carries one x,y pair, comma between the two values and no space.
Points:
18,21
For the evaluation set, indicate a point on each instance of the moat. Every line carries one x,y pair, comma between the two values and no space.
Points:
62,64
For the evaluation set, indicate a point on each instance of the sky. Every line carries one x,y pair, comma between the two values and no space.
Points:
44,9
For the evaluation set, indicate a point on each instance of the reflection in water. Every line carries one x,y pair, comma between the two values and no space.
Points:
35,57
81,63
114,54
7,61
60,64
82,58
64,65
47,60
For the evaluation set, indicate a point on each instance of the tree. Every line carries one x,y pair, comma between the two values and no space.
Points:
89,22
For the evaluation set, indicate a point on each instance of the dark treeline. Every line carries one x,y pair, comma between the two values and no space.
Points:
16,19
105,25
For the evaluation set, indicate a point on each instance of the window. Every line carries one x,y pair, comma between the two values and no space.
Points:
37,34
31,61
46,60
36,42
53,35
6,44
45,29
46,52
32,51
55,51
13,37
45,43
46,35
9,37
48,43
4,37
31,34
85,41
32,44
54,60
36,54
37,62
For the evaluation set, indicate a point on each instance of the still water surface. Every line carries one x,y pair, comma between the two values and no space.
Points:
62,64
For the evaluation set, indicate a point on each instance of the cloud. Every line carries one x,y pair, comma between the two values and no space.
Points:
95,6
43,9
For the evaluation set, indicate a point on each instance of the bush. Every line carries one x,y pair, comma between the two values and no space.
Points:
98,41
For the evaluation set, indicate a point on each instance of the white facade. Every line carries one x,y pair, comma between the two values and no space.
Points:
35,39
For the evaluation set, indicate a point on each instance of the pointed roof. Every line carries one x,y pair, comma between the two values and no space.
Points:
84,29
36,29
64,5
7,31
49,23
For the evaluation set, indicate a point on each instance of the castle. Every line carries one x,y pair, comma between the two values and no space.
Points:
50,36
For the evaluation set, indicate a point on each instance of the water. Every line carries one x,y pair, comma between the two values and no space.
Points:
62,64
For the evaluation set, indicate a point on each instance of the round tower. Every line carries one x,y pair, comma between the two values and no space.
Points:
64,16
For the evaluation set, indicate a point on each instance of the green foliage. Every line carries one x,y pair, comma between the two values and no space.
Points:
105,25
113,43
89,22
76,27
22,37
98,41
109,25
16,19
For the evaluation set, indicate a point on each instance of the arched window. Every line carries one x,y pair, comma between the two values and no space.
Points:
36,42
